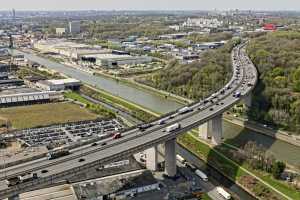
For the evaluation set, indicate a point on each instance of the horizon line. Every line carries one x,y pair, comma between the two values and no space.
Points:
152,10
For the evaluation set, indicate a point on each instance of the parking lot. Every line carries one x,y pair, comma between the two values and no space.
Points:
57,135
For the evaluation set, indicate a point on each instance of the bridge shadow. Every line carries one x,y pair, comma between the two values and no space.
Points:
236,144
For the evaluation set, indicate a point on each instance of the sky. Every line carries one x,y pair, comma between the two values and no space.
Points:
150,4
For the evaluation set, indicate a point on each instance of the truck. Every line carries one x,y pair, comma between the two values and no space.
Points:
57,153
180,159
202,175
184,110
173,127
223,193
21,179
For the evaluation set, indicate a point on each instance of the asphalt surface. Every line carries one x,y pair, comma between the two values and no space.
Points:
135,140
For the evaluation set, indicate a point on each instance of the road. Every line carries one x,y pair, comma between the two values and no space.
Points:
243,80
122,113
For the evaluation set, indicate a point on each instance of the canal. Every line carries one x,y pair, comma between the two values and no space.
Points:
155,102
235,134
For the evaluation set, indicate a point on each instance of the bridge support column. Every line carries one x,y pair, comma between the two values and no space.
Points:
151,158
248,100
217,129
205,130
170,158
15,197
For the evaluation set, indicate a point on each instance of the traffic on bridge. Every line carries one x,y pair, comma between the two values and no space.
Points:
205,114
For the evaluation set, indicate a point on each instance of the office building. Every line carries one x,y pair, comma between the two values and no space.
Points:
74,27
60,31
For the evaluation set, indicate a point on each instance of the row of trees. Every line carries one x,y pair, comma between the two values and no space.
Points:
257,157
118,28
277,96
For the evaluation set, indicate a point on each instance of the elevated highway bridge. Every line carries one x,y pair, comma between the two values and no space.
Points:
205,115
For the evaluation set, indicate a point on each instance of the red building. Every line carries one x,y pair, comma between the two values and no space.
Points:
269,27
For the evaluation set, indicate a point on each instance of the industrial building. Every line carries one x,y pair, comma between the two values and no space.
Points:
114,60
60,31
69,49
28,98
117,187
59,85
203,23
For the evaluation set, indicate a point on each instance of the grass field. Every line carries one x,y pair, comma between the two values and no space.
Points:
45,114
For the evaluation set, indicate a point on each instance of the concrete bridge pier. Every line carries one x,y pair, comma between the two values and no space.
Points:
152,158
15,197
248,100
217,129
170,158
205,130
213,128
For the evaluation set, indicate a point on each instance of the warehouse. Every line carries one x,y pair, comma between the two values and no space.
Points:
113,60
59,85
69,49
28,98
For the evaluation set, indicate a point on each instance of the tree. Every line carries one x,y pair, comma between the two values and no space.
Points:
277,169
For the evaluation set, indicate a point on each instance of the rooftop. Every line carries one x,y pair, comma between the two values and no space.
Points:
107,56
62,81
115,184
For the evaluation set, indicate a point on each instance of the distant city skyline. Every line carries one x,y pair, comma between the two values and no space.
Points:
150,5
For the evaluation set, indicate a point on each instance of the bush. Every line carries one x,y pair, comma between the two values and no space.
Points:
277,169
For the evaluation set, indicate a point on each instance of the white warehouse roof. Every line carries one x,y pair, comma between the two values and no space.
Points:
63,81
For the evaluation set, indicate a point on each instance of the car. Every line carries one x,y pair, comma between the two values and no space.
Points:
103,144
117,136
211,109
161,121
94,144
143,127
200,108
44,171
81,160
214,95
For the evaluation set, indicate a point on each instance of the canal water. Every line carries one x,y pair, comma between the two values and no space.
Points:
237,135
154,102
